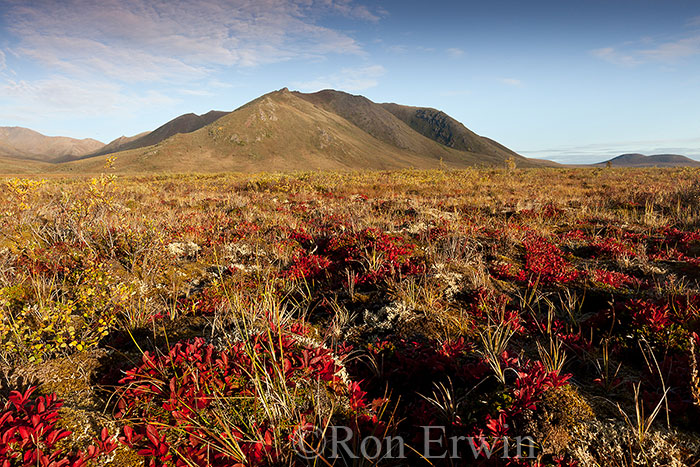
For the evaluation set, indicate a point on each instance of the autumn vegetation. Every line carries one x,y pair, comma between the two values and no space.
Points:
222,319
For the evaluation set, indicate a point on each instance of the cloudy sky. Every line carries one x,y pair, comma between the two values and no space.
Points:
573,81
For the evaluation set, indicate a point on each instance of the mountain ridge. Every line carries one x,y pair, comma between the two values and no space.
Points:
23,143
656,160
288,130
185,123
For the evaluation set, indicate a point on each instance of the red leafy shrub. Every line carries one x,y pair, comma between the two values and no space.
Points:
372,255
484,408
576,235
504,271
201,405
543,260
664,322
29,435
216,228
653,316
685,307
614,279
532,382
481,306
207,302
548,211
673,254
307,266
60,258
612,248
543,263
680,239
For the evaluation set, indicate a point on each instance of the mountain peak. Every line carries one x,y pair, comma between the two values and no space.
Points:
288,130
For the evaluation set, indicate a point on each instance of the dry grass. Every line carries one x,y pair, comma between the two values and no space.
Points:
113,267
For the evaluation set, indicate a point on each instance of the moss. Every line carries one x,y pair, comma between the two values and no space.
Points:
568,405
124,457
559,415
86,427
70,377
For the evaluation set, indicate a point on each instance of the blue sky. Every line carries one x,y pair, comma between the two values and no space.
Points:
573,81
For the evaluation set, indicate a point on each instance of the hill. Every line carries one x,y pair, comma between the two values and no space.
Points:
17,166
658,160
440,127
23,143
186,123
290,131
411,128
117,144
286,131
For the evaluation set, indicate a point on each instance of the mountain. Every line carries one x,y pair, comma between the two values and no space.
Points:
288,131
658,160
410,128
283,131
23,143
186,123
117,144
440,127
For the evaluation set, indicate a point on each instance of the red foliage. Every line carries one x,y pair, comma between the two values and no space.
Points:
544,263
59,258
679,238
29,435
350,251
172,395
614,279
646,313
532,382
612,247
216,228
575,235
306,266
410,368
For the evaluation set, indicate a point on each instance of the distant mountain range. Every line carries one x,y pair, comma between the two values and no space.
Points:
24,144
658,160
183,124
285,131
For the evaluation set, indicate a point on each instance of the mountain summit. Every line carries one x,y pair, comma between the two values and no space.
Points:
288,130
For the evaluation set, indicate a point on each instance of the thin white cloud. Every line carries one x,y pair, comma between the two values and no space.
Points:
653,50
348,79
215,83
673,51
63,96
349,9
694,22
616,57
599,152
141,40
397,49
197,92
511,81
116,58
455,52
